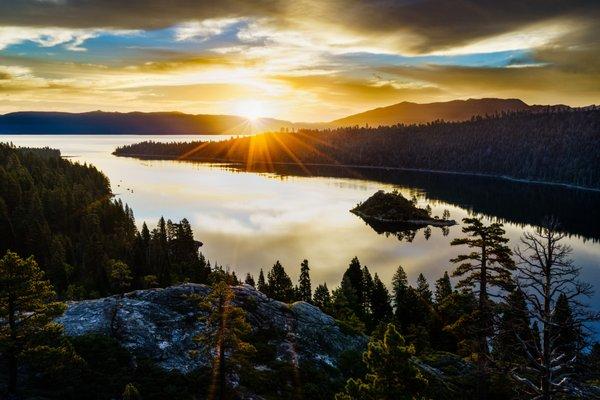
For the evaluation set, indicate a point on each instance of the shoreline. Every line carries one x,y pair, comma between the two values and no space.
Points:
478,174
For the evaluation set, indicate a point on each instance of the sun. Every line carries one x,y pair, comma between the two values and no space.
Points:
250,109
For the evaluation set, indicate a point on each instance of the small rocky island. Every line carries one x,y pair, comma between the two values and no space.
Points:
395,212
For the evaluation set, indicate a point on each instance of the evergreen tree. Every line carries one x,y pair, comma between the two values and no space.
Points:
368,287
443,288
354,284
261,284
489,265
119,275
249,280
225,328
279,284
423,289
380,302
343,303
304,288
391,374
568,338
131,393
28,307
514,330
400,293
322,298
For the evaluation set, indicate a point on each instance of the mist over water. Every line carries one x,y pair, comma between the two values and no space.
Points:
250,219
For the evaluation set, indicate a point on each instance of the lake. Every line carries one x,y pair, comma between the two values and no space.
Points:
250,219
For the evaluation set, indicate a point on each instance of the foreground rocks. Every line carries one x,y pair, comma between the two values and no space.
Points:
160,324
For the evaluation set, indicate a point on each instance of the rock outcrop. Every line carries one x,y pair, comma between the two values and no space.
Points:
160,324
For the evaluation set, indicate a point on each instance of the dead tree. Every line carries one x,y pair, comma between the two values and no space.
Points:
546,273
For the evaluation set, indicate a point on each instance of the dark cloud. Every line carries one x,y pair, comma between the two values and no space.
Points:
435,24
130,14
441,24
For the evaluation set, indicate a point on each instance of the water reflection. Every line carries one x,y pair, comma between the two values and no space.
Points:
507,201
247,220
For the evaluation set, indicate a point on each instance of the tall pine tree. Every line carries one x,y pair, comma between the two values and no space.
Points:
304,287
488,265
28,308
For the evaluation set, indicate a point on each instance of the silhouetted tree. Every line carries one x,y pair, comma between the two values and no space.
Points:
423,289
249,280
28,307
443,288
279,284
322,298
489,265
262,285
304,287
550,282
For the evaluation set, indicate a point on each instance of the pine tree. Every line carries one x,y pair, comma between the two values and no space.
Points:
391,374
279,284
322,298
380,302
354,280
131,393
304,288
565,329
443,288
249,280
514,330
27,305
400,293
423,289
368,287
119,275
489,265
261,284
225,328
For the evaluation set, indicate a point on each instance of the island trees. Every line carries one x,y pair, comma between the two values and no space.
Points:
553,291
28,307
487,266
223,336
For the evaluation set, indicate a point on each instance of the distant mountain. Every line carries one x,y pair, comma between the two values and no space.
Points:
414,113
176,123
155,123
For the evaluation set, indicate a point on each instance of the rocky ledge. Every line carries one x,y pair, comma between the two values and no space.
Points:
160,324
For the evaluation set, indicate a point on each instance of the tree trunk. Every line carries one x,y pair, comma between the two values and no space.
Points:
547,351
12,355
482,351
222,374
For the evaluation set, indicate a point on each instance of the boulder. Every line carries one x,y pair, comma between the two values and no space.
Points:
160,324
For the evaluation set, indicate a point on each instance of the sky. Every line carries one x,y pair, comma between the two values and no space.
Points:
302,60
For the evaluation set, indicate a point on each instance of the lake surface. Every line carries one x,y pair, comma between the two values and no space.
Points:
250,219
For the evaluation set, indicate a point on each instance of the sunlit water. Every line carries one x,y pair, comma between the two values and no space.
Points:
248,220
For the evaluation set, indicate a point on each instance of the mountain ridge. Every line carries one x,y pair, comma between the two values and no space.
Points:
179,123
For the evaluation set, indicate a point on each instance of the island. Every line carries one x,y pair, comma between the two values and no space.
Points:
390,211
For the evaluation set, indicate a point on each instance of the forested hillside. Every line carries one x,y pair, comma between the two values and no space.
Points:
553,146
64,214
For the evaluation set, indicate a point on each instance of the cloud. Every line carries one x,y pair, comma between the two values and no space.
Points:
418,26
533,84
45,37
203,29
